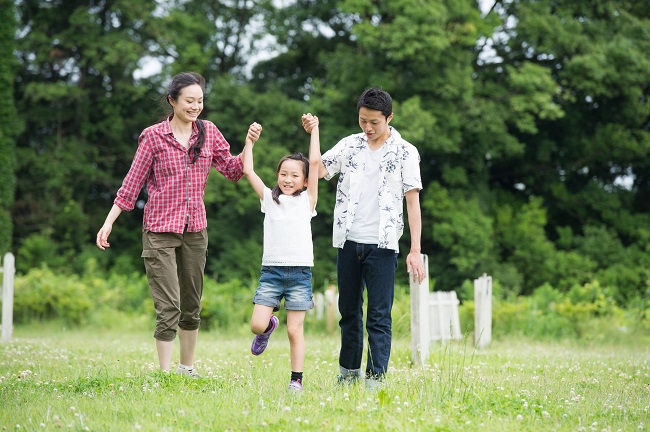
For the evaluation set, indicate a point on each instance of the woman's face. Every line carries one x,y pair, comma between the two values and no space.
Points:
189,104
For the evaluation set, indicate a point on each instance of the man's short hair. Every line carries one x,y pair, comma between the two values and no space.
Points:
376,99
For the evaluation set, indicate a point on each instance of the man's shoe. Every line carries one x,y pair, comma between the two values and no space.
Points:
374,384
262,340
348,376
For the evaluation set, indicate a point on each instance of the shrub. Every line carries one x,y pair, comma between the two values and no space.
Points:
42,295
225,305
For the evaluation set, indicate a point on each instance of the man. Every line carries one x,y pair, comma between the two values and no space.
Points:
377,169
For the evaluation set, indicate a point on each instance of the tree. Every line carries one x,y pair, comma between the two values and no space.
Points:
585,128
82,109
532,122
9,127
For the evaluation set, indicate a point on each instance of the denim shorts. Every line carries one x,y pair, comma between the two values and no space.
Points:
291,283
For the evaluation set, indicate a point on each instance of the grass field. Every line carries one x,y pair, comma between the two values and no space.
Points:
53,379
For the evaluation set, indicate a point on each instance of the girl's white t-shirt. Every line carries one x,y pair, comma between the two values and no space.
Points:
287,230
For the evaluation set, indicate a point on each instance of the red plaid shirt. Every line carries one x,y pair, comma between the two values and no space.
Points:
174,185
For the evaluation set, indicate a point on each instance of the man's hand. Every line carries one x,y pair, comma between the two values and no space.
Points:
309,121
414,266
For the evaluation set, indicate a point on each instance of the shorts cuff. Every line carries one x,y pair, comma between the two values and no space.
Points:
265,301
299,306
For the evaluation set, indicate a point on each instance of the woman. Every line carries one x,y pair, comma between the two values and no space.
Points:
173,159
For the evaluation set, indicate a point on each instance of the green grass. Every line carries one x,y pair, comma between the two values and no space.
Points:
53,379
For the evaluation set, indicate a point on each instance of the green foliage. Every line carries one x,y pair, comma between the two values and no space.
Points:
524,241
586,312
533,97
42,295
39,249
531,122
226,305
108,299
462,233
9,127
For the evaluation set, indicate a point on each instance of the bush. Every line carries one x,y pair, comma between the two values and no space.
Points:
226,305
40,294
586,311
43,295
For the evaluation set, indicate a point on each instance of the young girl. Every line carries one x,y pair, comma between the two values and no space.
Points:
288,249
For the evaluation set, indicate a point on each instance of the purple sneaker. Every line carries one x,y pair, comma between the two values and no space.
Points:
295,386
262,340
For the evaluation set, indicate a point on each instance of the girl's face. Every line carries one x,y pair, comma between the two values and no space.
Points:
291,177
189,104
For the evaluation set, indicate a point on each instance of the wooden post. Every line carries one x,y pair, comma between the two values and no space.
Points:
8,271
444,322
482,311
319,305
420,338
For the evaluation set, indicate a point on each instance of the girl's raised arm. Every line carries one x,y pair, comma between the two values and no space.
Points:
314,158
253,135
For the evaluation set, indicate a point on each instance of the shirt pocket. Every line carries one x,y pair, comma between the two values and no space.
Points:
171,164
204,160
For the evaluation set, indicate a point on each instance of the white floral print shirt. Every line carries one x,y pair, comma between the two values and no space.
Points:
400,173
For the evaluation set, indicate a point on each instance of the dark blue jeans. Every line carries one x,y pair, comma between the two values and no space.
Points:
358,265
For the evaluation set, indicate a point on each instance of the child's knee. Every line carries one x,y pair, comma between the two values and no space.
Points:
257,327
295,330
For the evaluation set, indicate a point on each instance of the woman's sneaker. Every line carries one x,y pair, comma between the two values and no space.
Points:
191,373
262,340
295,385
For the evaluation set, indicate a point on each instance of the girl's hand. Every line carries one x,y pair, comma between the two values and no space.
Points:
254,132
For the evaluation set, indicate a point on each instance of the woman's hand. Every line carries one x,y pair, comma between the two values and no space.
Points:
102,237
254,132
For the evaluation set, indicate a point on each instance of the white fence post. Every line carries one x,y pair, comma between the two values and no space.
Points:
420,338
8,271
331,300
443,315
482,311
319,305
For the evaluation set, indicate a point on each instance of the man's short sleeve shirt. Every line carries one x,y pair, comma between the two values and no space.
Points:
400,173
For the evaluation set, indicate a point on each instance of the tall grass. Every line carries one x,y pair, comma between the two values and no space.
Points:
58,379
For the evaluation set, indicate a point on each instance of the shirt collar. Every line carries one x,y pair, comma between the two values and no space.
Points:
166,127
393,137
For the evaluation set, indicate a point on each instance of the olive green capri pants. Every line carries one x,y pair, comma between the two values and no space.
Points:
175,264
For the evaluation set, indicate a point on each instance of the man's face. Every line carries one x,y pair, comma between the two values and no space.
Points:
374,125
